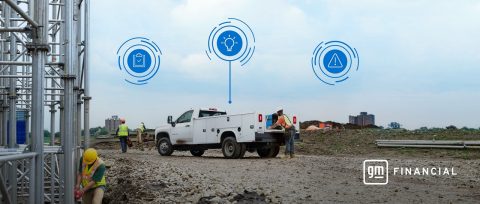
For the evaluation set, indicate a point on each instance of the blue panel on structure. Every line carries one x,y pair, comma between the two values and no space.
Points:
21,128
21,133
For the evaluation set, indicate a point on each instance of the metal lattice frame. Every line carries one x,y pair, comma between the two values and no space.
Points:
43,63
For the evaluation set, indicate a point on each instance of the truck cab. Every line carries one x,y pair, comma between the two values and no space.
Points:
183,129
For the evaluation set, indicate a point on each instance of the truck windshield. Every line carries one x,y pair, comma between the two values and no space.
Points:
207,113
186,117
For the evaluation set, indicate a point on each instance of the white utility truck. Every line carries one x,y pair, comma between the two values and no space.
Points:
201,129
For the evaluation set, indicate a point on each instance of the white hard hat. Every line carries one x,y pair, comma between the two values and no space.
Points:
279,108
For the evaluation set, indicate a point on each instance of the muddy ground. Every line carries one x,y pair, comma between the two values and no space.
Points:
314,176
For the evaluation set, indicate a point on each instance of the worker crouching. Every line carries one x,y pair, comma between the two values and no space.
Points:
91,178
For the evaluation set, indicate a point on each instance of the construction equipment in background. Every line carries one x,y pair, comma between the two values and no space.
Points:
444,144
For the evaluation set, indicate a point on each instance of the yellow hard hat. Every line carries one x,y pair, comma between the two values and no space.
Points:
89,156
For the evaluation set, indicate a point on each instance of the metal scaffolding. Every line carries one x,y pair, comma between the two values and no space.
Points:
44,62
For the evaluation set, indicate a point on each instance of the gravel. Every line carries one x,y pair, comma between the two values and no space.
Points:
147,177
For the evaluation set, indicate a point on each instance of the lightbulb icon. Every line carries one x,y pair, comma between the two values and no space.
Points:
229,42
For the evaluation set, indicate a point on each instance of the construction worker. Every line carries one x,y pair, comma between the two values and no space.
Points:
91,178
140,132
286,124
122,133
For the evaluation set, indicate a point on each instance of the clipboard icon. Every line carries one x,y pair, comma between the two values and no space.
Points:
139,60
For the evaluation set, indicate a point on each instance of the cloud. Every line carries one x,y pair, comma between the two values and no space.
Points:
422,49
195,13
198,66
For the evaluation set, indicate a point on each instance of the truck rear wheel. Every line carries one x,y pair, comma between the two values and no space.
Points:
275,151
197,152
268,151
164,147
230,148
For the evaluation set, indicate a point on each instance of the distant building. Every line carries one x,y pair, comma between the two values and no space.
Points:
352,119
363,119
111,124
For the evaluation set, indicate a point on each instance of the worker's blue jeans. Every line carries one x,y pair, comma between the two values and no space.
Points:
289,141
123,144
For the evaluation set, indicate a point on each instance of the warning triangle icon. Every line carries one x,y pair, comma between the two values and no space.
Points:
335,62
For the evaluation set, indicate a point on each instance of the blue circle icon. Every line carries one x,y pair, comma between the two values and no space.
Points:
229,43
231,40
335,61
139,61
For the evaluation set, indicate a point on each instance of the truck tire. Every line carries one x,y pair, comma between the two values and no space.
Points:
263,151
268,151
230,148
243,149
276,150
197,152
164,147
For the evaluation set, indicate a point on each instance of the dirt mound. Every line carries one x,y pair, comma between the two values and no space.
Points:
126,186
107,145
306,124
115,144
333,124
362,142
312,128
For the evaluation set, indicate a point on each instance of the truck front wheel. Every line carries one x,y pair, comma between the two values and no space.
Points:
230,148
164,147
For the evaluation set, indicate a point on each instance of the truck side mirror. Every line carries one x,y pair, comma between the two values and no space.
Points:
169,119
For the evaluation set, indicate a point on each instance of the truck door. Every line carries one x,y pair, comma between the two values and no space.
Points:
183,130
199,131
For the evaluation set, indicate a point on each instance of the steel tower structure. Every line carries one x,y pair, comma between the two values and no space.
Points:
44,68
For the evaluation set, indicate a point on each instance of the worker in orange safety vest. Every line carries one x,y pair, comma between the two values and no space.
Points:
286,124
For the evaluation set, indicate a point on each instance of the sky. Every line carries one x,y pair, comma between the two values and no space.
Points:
419,60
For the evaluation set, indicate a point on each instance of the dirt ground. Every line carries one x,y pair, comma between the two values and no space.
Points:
328,174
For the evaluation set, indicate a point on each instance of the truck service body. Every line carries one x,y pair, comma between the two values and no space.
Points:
197,130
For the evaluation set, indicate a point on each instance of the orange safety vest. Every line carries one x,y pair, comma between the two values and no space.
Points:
285,121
